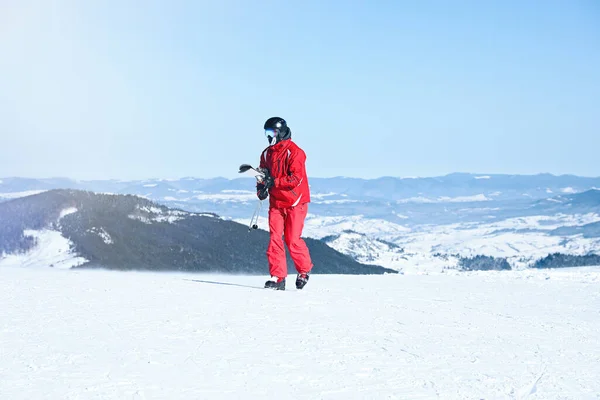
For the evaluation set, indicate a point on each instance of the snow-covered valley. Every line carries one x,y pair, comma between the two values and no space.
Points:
434,248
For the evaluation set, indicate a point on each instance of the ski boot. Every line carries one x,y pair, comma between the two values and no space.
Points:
301,280
275,283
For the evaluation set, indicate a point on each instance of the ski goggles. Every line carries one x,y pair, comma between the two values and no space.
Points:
271,133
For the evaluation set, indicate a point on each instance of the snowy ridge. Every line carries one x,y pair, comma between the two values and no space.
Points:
16,195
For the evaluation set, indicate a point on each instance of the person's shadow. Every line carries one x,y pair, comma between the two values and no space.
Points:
225,284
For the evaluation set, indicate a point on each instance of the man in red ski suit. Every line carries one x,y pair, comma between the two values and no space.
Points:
287,184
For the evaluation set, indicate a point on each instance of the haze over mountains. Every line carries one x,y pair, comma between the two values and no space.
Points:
417,199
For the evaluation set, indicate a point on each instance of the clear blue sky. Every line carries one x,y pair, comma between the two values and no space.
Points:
139,89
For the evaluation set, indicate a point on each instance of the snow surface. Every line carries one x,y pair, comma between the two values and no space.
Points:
155,214
82,334
67,211
106,238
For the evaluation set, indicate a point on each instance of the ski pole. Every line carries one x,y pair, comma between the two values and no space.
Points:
259,177
255,216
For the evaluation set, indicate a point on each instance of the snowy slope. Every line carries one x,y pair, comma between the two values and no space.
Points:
82,334
521,240
52,250
367,249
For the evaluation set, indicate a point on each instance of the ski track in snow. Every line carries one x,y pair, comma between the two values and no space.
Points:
83,334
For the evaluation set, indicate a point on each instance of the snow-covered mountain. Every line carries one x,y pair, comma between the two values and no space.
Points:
438,223
521,241
566,225
68,228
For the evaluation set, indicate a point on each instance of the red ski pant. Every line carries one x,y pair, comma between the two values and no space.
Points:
288,222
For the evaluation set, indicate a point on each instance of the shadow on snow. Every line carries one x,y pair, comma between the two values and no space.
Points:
225,284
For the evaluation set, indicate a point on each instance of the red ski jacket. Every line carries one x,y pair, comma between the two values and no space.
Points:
286,163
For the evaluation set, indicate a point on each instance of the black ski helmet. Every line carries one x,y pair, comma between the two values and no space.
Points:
279,126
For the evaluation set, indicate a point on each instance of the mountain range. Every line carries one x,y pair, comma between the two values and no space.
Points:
406,200
408,224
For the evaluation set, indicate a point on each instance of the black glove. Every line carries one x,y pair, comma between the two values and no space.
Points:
268,180
261,191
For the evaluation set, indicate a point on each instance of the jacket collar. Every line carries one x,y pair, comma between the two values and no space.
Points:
281,145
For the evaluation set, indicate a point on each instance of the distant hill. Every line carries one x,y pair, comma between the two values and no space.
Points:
456,187
131,233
